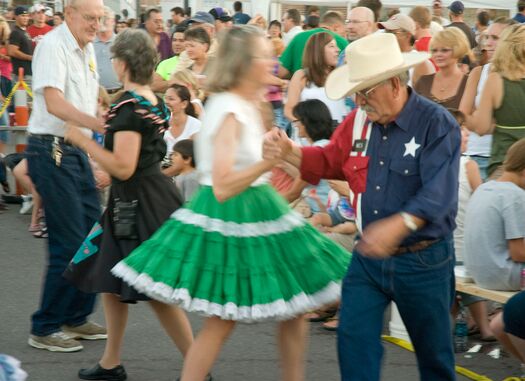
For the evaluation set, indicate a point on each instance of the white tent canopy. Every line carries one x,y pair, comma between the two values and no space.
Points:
488,4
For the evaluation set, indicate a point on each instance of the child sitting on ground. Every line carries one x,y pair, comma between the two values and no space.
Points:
183,166
339,216
102,179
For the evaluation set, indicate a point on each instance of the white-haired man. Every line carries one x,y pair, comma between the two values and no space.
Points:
65,89
400,155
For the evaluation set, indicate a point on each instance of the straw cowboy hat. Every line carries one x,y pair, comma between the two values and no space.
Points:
370,60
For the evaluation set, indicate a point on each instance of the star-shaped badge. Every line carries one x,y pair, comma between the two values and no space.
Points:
411,147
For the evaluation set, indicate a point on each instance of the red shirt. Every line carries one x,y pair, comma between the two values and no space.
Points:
423,45
329,162
37,33
6,66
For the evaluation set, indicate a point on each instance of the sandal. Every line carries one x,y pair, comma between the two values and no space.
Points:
321,315
42,233
331,324
34,228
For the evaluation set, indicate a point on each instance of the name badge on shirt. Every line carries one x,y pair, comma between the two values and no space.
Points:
92,65
359,145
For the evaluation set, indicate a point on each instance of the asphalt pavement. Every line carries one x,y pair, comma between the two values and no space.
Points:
250,353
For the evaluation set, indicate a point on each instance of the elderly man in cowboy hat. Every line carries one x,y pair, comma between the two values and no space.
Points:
399,153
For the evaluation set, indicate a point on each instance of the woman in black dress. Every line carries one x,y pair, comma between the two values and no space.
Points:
141,199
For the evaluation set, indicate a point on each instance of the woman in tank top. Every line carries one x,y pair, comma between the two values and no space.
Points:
447,85
479,146
319,59
503,98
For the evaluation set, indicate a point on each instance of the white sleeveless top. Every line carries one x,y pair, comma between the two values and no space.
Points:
249,149
480,145
337,108
464,193
192,126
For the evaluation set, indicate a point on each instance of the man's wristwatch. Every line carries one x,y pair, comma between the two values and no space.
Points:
409,221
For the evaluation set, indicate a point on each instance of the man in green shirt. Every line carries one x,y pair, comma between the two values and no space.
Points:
292,57
166,67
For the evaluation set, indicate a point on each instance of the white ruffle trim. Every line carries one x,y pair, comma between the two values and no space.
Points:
286,223
277,310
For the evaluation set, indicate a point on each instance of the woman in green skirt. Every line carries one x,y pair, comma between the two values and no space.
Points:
236,252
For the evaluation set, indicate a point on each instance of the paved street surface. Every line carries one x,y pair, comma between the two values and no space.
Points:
250,354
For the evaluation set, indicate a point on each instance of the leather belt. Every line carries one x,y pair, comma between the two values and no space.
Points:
48,137
418,246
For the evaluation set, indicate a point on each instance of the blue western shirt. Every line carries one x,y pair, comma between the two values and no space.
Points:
410,165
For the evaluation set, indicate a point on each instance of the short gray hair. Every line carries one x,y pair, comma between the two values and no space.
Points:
109,13
231,63
404,78
136,49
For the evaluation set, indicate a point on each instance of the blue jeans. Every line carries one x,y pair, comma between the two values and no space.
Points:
4,122
483,164
422,286
71,206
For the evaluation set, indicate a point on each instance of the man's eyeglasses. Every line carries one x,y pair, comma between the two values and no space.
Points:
366,94
93,19
296,122
442,50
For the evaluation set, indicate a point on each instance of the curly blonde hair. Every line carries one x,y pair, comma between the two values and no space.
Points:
186,78
509,57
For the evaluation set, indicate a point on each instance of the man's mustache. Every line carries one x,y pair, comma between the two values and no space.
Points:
367,108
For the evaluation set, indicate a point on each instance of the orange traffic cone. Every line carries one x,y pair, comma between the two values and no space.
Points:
21,109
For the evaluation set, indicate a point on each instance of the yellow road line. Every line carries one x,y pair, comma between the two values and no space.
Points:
460,370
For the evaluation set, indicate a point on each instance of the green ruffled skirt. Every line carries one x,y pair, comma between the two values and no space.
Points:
249,258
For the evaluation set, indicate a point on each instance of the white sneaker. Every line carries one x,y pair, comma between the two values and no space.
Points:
27,204
56,342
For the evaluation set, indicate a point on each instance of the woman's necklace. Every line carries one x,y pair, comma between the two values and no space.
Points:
445,85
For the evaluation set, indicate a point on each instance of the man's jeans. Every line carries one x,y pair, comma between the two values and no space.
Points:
71,207
422,286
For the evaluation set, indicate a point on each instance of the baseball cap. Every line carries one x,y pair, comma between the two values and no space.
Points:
21,11
456,7
399,21
203,17
49,12
220,14
38,8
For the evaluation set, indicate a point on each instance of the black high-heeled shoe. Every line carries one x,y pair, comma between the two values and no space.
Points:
117,373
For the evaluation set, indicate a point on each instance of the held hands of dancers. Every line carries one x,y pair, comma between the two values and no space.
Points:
276,145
